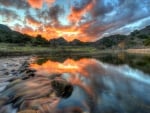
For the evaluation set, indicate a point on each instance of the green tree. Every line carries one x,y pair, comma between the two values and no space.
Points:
39,40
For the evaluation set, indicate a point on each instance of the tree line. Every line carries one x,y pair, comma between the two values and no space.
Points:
137,38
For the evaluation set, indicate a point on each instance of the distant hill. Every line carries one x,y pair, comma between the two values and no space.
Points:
4,28
110,42
62,41
145,31
58,41
136,39
9,36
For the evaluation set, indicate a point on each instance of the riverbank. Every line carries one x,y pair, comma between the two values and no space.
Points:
7,49
16,50
145,51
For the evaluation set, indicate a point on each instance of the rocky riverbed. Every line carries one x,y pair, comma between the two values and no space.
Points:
10,65
9,68
23,91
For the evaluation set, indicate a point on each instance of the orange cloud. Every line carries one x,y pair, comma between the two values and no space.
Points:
33,22
50,1
39,3
68,32
27,30
76,14
84,32
36,3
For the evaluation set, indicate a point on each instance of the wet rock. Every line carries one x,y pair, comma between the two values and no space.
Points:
54,76
5,78
25,78
12,79
62,88
9,65
6,73
3,100
14,73
28,111
35,93
5,65
4,69
29,91
30,71
13,70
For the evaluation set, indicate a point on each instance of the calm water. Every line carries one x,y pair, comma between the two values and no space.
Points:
104,84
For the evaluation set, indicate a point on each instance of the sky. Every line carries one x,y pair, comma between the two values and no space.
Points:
86,20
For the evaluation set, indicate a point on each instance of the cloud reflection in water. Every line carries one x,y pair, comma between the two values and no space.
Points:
100,87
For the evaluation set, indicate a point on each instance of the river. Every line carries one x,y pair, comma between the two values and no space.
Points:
108,83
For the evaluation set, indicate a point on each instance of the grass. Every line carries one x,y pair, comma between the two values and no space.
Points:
7,49
14,49
17,48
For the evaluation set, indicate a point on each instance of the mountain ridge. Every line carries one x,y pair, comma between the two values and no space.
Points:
136,39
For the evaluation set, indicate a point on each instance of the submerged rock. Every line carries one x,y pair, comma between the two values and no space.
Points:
28,111
28,91
32,93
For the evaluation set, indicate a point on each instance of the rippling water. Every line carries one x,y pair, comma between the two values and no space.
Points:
104,84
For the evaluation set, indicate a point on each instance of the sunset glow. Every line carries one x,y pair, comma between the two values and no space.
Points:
76,70
68,66
85,20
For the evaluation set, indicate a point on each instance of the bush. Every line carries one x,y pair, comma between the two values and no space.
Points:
134,33
147,42
143,36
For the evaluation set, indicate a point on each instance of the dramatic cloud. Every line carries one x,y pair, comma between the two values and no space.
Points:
86,20
8,15
49,1
36,3
39,3
79,9
54,13
31,21
19,4
27,30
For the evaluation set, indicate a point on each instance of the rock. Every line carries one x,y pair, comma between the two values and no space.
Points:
36,92
3,100
28,111
27,91
3,69
13,70
62,88
6,73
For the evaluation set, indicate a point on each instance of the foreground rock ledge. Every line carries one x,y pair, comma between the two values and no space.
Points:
31,93
28,111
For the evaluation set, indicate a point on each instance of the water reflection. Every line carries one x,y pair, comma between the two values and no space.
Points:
100,87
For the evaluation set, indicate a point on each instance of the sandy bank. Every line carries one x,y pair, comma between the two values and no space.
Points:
139,51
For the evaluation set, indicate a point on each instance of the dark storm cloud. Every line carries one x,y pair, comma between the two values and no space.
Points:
21,4
102,7
55,12
32,21
78,6
8,14
51,15
110,16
